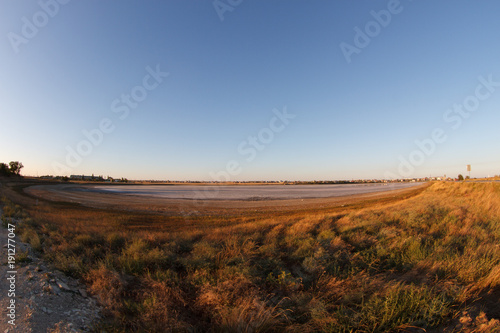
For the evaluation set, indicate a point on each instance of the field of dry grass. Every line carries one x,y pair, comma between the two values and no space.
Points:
430,261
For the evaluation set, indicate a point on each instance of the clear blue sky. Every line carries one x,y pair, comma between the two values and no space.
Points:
354,119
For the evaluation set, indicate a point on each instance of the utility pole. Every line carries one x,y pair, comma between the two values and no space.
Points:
468,169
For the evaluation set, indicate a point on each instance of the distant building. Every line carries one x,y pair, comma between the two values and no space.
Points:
87,178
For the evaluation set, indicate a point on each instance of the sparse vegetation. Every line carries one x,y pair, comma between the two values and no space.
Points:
419,262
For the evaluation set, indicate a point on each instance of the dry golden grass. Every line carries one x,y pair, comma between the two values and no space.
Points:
427,261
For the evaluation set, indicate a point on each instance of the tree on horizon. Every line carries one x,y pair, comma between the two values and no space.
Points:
13,168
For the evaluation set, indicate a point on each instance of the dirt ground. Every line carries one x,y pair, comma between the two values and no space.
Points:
80,194
45,300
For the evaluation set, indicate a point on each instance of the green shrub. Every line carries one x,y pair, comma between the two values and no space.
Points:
31,237
116,242
400,307
139,257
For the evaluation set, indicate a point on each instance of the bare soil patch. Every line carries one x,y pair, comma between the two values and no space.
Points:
80,194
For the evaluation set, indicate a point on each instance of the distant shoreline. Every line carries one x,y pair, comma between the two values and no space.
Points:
232,183
222,193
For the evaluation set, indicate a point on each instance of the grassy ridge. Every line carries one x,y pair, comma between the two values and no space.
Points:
416,263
